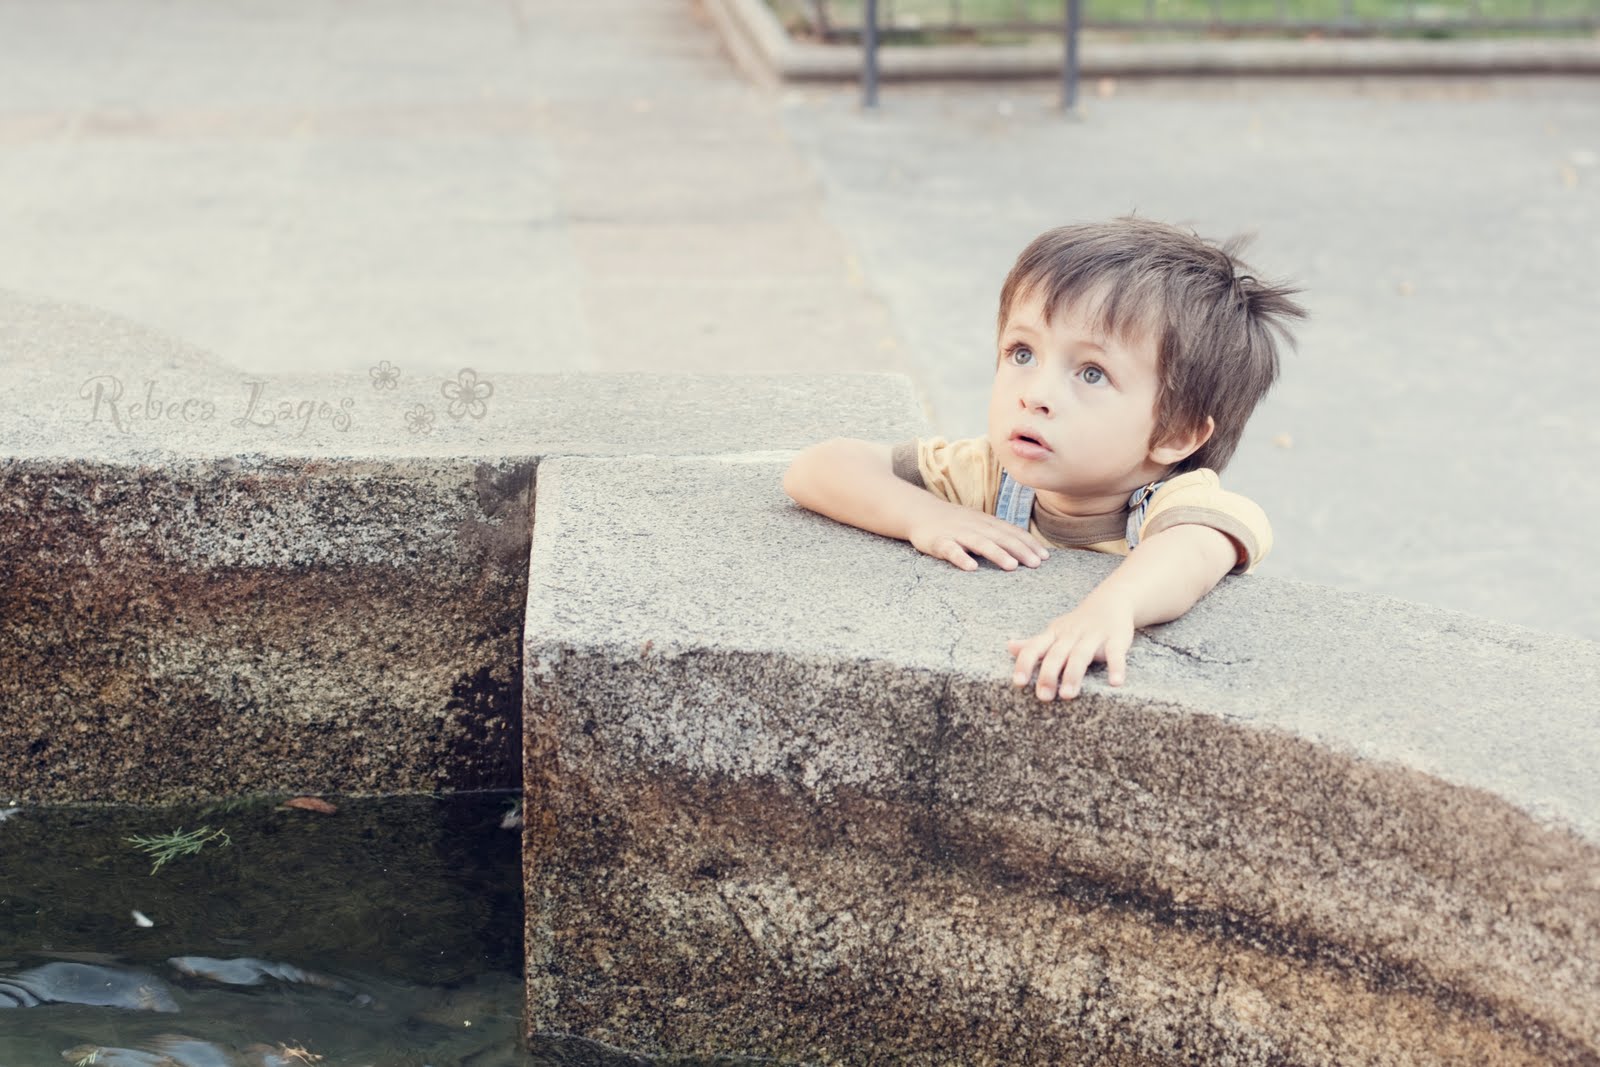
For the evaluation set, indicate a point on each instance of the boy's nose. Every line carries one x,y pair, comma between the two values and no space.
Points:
1034,404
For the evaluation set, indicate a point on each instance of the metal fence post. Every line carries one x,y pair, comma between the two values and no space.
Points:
869,54
1069,62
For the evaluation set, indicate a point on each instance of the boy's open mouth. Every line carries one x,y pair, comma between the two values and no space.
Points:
1026,445
1020,436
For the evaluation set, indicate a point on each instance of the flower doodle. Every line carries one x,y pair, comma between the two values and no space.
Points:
385,375
467,395
419,420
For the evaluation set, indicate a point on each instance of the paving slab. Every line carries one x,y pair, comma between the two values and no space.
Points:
303,189
777,781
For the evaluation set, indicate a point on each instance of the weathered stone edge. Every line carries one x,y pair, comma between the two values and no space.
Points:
1467,931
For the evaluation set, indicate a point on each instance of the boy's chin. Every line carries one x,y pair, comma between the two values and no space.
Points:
1038,481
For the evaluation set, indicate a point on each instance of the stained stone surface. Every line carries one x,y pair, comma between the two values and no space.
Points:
783,801
196,606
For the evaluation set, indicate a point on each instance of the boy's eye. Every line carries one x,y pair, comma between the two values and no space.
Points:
1092,375
1021,355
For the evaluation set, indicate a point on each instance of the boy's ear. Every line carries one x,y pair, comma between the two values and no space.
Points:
1179,446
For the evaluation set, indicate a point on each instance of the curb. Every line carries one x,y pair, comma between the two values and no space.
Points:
764,49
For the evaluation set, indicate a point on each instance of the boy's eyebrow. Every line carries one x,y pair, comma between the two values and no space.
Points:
1097,350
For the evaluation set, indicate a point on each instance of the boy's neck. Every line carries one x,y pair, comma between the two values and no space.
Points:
1081,507
1092,505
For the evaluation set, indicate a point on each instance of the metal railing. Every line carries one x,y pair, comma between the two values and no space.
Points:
872,21
844,20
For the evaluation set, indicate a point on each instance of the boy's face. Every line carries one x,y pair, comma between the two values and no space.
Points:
1072,409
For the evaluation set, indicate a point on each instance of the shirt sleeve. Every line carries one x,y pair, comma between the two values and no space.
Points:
1197,498
957,471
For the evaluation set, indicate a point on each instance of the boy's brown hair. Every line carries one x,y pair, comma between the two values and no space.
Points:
1215,325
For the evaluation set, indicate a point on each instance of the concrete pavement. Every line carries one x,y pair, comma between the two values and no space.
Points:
1432,438
571,187
515,186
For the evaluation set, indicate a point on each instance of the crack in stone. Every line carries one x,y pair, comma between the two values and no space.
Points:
1193,656
956,630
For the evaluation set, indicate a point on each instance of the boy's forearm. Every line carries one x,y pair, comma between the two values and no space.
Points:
854,482
1169,572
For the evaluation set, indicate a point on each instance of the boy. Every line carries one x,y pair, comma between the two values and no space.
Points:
1131,354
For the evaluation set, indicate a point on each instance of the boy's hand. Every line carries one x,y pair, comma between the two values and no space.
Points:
1101,628
951,532
1159,581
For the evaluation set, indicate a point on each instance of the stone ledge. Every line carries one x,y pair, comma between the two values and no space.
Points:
195,608
755,36
67,361
782,801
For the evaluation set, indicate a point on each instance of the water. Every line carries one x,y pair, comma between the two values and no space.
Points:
407,912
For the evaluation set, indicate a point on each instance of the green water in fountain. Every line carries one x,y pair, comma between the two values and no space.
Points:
412,905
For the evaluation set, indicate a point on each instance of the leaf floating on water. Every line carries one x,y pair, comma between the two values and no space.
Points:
316,804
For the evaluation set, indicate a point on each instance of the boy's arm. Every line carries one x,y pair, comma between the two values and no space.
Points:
1162,578
854,482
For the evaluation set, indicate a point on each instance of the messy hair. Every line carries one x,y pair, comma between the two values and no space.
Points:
1215,324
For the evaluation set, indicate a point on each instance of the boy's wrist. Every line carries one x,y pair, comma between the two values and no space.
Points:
1109,597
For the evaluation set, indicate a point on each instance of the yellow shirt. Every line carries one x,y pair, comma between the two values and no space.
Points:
966,472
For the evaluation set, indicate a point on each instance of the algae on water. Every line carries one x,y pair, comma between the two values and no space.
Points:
170,846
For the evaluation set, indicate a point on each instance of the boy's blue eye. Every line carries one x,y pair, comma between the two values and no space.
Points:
1092,375
1021,355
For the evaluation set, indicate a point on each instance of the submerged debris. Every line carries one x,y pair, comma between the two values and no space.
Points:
247,971
316,804
88,984
176,1050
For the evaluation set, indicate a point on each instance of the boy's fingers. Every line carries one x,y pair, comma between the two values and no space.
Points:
1025,551
1028,653
950,551
992,551
1117,660
1022,544
1000,557
1050,669
1083,653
